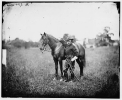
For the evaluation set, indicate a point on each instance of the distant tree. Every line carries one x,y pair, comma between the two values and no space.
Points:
26,45
17,39
18,43
106,29
105,37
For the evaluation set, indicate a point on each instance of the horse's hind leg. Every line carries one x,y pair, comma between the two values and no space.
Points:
80,63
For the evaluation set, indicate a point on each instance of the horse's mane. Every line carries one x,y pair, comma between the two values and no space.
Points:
56,40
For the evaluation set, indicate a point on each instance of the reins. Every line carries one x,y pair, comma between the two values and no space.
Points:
45,50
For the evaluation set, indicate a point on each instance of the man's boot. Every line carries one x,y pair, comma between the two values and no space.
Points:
65,76
72,76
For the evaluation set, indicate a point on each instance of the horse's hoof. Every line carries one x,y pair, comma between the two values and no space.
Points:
61,80
71,81
81,77
65,80
54,79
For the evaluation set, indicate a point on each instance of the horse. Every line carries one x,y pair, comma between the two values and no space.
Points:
58,53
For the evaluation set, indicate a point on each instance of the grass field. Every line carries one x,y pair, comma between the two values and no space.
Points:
29,73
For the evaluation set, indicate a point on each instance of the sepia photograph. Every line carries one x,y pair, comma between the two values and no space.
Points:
60,49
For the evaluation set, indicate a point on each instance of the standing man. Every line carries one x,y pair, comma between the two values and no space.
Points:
71,54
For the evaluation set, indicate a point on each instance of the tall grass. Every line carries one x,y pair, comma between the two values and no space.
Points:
29,73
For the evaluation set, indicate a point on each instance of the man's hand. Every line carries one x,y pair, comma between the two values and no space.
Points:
74,58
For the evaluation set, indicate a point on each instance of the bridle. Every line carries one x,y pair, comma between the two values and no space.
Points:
44,44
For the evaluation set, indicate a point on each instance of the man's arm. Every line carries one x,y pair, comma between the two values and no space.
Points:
75,53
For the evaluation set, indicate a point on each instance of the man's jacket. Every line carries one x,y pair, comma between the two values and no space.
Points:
71,50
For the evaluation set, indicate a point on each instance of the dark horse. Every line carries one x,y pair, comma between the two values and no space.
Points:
58,52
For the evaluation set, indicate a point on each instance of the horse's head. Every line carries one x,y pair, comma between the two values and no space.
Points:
43,41
64,43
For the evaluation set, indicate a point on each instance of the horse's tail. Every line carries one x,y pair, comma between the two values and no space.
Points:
81,51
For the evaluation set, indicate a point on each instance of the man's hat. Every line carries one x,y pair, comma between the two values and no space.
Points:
70,37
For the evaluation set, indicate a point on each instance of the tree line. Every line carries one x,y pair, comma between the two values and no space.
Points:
19,43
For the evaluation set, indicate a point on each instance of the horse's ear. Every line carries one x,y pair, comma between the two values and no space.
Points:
40,34
44,33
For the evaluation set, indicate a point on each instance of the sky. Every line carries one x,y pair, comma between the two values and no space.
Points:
84,20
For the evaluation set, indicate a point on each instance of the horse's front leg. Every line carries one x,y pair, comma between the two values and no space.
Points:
56,68
61,69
